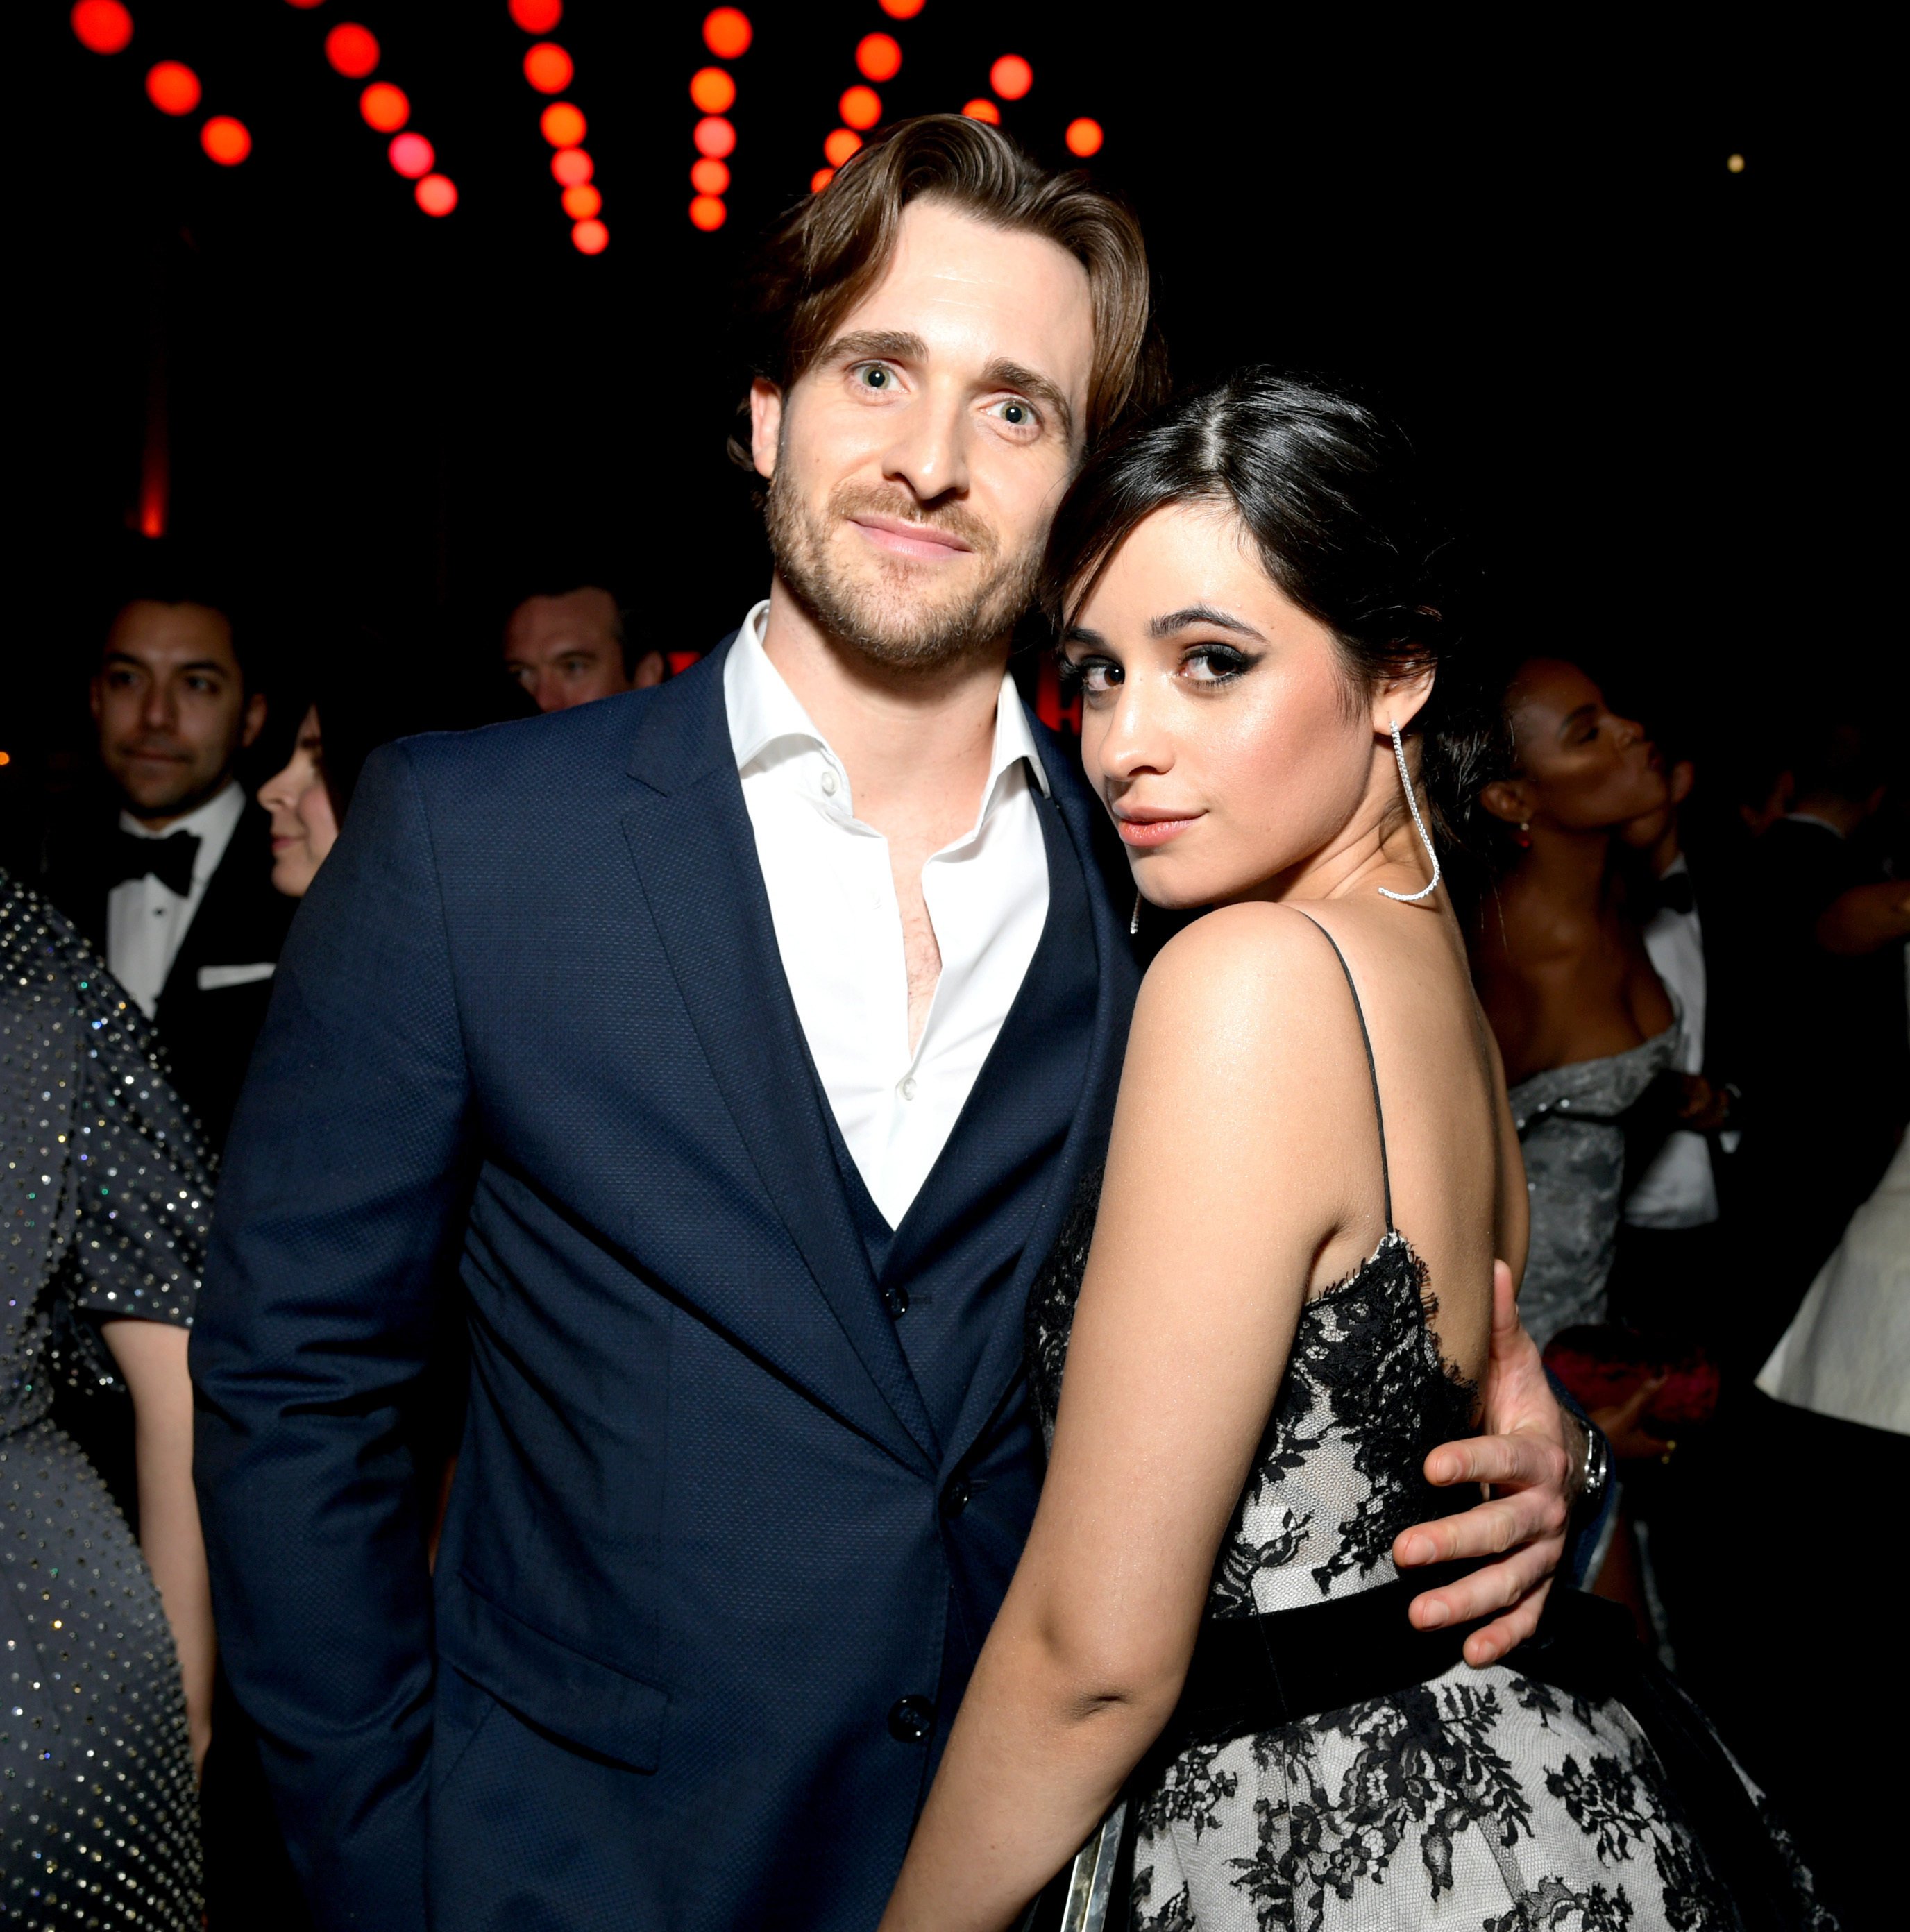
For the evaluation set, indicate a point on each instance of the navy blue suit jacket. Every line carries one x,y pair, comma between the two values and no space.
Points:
745,1472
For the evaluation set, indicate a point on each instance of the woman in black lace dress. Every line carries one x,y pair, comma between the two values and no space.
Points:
1280,1301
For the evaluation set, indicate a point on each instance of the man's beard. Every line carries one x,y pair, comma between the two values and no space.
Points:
883,614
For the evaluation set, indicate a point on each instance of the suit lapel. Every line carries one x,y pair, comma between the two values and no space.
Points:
690,838
1077,892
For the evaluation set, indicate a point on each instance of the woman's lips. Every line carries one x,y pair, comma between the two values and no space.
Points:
1151,831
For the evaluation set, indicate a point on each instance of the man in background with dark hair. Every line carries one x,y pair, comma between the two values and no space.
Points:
175,888
570,647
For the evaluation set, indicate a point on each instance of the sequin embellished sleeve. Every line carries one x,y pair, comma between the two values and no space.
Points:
141,1180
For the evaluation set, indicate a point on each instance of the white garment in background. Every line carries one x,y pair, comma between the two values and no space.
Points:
146,921
1678,1189
839,926
1847,1351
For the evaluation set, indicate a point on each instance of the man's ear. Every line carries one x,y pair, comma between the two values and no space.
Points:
255,718
94,697
1509,799
649,671
765,425
1401,700
1684,776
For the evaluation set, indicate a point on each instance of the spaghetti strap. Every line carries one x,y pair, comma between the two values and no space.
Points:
1372,1066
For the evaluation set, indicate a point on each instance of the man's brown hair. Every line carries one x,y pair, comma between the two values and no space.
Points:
827,254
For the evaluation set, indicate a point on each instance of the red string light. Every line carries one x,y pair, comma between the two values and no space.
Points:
172,87
101,26
548,68
902,10
841,143
352,49
384,107
879,57
982,108
413,156
1011,77
860,108
713,90
227,141
727,33
1084,137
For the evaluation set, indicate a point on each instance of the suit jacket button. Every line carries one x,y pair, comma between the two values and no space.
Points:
957,1497
911,1720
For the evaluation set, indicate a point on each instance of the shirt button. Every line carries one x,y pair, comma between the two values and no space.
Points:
911,1720
907,1089
828,784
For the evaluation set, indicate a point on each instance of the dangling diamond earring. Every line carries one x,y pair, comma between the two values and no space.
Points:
1425,837
1134,923
1525,835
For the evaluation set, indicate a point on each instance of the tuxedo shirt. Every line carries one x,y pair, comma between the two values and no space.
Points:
1678,1189
146,921
839,925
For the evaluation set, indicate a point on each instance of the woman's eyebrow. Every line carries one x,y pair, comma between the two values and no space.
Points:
1079,634
1201,613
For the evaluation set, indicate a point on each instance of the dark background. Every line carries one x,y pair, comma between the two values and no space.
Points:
1663,392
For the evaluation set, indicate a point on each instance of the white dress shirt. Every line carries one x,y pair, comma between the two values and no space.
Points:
1678,1189
839,926
146,921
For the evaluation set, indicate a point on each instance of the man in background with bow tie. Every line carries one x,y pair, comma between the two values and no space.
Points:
177,892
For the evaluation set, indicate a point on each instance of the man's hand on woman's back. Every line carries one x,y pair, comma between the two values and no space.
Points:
1530,1460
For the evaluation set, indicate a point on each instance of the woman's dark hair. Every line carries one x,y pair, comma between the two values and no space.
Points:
1332,496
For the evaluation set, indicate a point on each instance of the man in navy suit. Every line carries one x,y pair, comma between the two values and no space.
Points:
744,1040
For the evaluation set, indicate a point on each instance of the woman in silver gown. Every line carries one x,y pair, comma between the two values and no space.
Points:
104,1196
1276,1302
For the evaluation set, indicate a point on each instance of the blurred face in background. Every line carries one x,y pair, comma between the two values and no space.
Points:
305,828
1582,767
171,706
569,650
915,468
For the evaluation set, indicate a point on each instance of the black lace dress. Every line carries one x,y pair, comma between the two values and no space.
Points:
1483,1798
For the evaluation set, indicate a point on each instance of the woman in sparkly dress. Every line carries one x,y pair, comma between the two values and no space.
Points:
105,1645
1274,1308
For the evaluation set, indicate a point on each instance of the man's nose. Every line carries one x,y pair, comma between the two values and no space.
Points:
158,712
930,449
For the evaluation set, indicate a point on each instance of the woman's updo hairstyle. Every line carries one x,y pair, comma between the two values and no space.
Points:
1332,496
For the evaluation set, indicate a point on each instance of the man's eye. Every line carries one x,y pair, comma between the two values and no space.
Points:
875,377
1017,414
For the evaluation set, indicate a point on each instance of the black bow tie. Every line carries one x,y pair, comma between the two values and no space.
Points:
169,860
1672,893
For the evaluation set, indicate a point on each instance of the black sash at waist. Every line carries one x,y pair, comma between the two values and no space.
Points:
1255,1674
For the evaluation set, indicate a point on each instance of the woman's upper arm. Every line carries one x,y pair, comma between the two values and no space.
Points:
1223,1184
